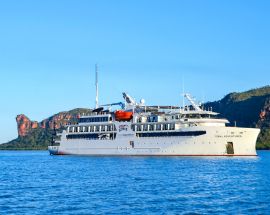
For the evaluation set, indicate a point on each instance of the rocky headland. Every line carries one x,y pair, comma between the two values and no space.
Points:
38,135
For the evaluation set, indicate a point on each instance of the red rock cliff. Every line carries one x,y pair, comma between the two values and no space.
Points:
24,125
57,121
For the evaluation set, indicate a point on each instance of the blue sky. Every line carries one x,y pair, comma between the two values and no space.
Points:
48,50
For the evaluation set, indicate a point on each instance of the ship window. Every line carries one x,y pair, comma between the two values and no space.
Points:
151,127
103,128
168,134
97,128
104,119
86,129
108,128
75,129
138,127
165,127
172,126
145,127
133,127
158,127
91,128
153,119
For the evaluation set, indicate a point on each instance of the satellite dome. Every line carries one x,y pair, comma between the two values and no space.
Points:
142,101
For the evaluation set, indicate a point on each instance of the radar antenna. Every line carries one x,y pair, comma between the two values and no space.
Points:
129,99
193,102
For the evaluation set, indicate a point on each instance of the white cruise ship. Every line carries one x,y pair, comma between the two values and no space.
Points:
140,130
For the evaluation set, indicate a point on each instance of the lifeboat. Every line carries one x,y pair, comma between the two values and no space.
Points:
121,115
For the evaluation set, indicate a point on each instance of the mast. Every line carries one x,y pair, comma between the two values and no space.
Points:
183,93
96,69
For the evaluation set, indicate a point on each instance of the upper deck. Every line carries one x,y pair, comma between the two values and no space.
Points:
191,115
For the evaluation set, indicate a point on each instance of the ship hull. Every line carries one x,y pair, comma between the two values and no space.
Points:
217,141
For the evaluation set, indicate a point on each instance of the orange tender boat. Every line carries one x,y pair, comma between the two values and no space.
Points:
123,115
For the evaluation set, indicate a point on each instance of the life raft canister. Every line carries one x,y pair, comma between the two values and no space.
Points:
121,115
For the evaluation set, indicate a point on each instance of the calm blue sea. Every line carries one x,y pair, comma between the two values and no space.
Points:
33,182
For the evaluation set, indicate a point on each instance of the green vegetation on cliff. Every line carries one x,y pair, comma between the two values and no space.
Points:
36,139
248,109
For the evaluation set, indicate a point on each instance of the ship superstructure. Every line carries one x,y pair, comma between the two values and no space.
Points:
137,129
